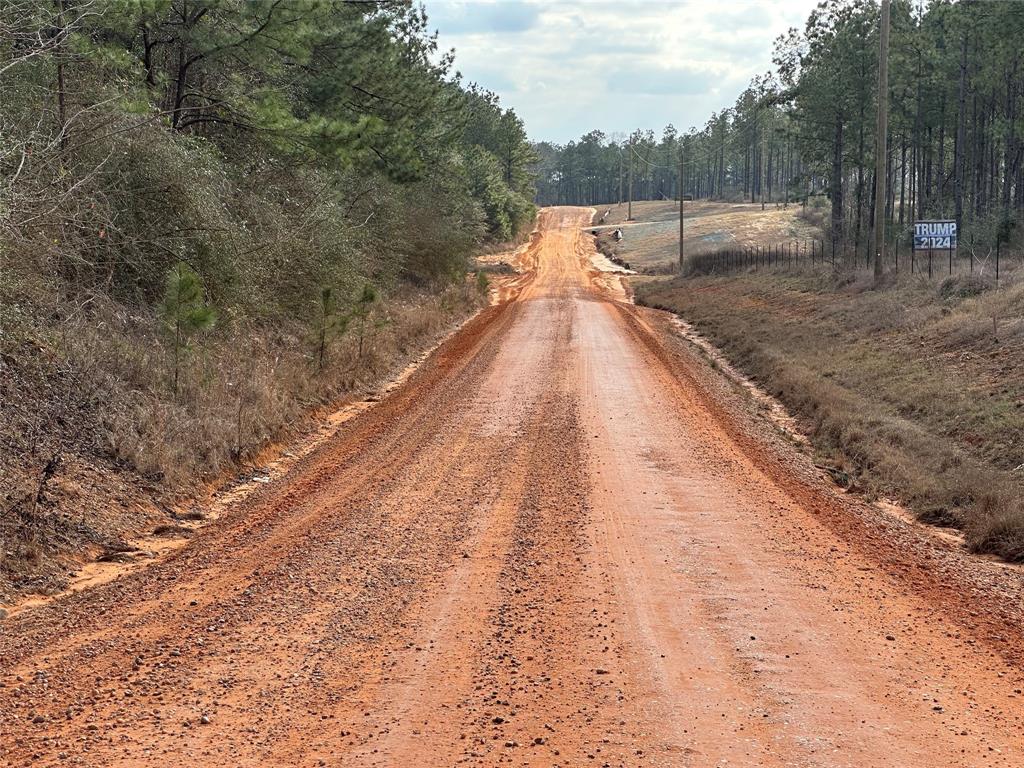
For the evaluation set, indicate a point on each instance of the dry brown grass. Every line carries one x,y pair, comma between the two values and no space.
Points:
912,391
651,240
239,389
92,388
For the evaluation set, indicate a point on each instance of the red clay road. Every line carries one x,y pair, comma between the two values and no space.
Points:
565,541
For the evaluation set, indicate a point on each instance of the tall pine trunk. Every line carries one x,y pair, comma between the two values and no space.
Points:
1011,138
836,191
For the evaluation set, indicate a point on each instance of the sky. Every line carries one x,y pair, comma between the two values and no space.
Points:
570,67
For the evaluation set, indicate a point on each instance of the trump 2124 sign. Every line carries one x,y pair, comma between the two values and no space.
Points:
934,235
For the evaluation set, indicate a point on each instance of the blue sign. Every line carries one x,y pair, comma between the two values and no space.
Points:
934,235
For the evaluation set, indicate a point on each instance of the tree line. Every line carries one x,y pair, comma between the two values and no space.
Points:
805,128
275,147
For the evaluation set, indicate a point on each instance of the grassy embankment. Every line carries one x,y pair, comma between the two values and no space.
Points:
914,391
94,447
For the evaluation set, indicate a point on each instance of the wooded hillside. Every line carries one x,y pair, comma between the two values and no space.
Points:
215,215
140,133
956,84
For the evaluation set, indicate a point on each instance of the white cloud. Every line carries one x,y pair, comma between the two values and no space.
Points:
480,18
569,67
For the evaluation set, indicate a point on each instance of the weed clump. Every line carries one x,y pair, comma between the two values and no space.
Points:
998,529
963,286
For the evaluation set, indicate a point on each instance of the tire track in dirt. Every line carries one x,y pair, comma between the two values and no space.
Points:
258,564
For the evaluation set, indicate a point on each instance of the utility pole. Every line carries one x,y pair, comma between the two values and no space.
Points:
629,213
881,150
958,147
682,164
620,175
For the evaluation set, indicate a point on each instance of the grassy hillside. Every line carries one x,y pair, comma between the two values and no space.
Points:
914,391
651,241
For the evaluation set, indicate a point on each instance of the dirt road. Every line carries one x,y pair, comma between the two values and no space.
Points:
566,541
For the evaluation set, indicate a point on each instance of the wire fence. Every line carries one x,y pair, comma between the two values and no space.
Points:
819,253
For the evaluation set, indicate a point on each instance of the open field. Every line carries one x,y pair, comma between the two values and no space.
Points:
651,240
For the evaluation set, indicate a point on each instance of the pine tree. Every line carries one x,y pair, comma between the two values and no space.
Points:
184,311
361,312
329,324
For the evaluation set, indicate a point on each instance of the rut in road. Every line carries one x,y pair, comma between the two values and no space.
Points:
564,541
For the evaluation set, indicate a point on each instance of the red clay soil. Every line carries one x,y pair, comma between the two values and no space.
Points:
565,541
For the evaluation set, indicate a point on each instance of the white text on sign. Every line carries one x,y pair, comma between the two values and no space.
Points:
934,235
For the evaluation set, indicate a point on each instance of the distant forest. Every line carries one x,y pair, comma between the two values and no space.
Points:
806,128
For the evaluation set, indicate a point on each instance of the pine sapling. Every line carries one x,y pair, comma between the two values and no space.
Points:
329,324
361,313
184,311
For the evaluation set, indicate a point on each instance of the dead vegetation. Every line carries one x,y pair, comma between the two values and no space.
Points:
914,391
93,447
